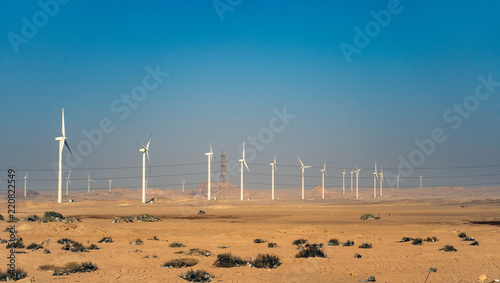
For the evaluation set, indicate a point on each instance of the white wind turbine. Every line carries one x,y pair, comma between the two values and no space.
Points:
302,168
183,182
375,177
210,156
273,167
68,182
109,184
323,173
242,161
357,179
145,151
343,182
25,178
88,182
381,180
352,172
62,142
397,180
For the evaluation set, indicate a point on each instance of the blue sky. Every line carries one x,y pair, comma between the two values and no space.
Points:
226,75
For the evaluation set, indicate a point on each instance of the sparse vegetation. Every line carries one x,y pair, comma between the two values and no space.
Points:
34,246
271,245
227,260
75,247
65,241
32,218
406,239
177,245
365,246
258,241
201,212
357,256
13,276
299,242
197,276
93,247
197,252
311,250
153,239
105,240
347,244
182,262
475,243
1,217
70,267
431,239
462,235
333,242
266,261
128,219
417,242
16,244
368,216
448,248
147,218
51,216
137,242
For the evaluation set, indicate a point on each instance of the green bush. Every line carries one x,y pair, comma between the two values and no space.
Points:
266,261
182,262
311,250
227,260
197,276
365,246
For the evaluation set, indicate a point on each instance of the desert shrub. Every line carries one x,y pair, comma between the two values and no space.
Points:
416,241
357,256
431,239
70,267
105,240
177,245
197,252
347,244
197,276
406,239
462,235
93,247
83,268
470,239
32,218
365,246
50,216
475,243
147,218
182,262
201,212
77,248
1,217
311,250
127,218
271,245
266,261
333,242
299,242
34,246
16,244
368,216
258,241
18,274
227,260
64,241
153,239
448,248
137,242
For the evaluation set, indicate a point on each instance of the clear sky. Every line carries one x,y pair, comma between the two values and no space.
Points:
359,82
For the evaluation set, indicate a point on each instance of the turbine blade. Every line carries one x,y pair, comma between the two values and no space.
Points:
243,153
246,165
88,175
324,166
307,166
63,131
147,146
149,162
300,161
211,148
275,160
69,174
141,145
67,146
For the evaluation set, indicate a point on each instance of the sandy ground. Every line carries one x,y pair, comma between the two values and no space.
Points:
233,227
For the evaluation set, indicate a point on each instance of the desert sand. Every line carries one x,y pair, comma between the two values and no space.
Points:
232,227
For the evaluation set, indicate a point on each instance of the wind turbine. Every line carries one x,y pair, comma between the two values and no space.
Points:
242,161
62,142
323,173
210,156
381,180
352,172
397,180
420,180
88,182
183,182
273,167
68,182
343,182
25,178
109,184
302,167
375,177
145,151
357,178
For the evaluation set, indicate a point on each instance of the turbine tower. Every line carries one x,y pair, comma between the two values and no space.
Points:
25,178
242,161
209,155
352,172
68,182
147,180
62,142
397,180
88,182
273,167
183,182
323,173
357,179
302,168
222,184
375,177
381,180
420,180
109,184
145,151
343,182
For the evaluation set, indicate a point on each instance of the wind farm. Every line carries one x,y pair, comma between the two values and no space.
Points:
268,120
